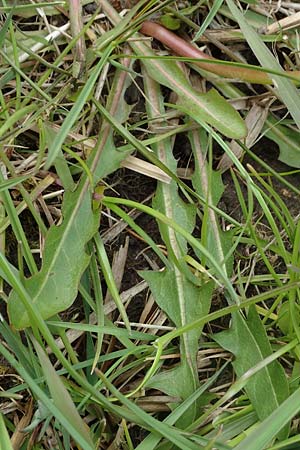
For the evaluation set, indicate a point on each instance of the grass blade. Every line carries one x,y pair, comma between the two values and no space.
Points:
61,398
76,109
5,443
268,429
287,91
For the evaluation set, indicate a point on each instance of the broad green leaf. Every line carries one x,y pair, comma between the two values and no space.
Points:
61,397
248,341
287,139
182,301
152,440
55,286
285,88
193,303
208,183
285,320
210,107
174,293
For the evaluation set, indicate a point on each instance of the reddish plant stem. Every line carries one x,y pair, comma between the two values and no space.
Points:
184,48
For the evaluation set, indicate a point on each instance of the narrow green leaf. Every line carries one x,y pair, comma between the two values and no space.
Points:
5,26
28,10
253,18
109,278
75,110
268,388
181,300
15,223
110,330
211,14
40,394
208,183
287,91
5,443
269,428
61,397
233,426
12,182
17,115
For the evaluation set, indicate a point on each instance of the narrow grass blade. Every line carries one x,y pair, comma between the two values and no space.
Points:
111,330
15,117
41,395
76,109
60,396
12,182
269,428
5,26
99,310
108,275
287,91
212,12
17,228
5,443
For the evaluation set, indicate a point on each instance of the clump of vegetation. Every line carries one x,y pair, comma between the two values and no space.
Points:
150,232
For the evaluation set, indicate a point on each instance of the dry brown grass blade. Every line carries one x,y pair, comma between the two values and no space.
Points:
287,23
145,168
75,9
133,163
19,436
